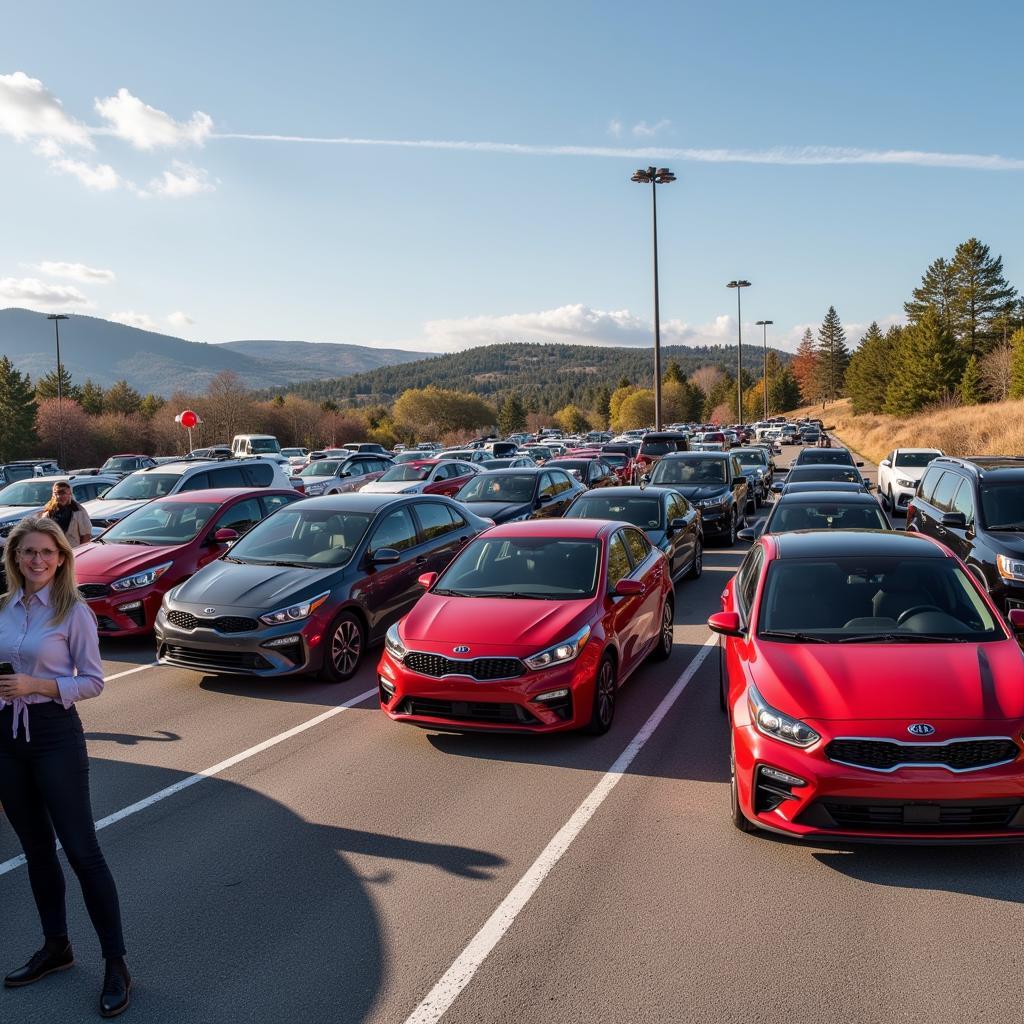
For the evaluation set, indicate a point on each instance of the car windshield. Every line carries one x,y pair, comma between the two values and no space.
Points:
828,473
293,453
616,459
658,447
832,515
879,598
117,465
320,538
825,457
751,458
404,472
539,452
27,492
1003,505
407,457
264,446
687,471
503,488
915,460
642,512
162,522
544,568
322,467
142,487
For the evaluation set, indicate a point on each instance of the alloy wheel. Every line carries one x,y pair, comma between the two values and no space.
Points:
605,694
346,647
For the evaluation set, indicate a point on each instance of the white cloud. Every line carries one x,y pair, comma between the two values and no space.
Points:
75,272
28,110
98,177
179,319
145,127
31,293
182,181
132,319
615,128
643,130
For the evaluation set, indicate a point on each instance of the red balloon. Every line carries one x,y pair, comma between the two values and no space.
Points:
188,419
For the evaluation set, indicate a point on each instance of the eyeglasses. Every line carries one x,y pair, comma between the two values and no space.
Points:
47,554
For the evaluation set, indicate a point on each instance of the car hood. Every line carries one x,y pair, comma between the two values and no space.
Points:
697,492
106,508
228,585
1008,543
392,486
909,472
499,511
18,511
526,626
100,563
891,681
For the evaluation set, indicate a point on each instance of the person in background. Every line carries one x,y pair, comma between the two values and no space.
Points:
49,660
68,514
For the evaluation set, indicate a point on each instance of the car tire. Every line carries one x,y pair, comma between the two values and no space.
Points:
722,705
889,498
730,539
739,819
697,566
602,711
663,648
344,647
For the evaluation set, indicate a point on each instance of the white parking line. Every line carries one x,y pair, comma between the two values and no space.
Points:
209,773
131,671
459,975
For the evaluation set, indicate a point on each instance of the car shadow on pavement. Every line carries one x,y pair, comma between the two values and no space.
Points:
236,908
128,740
128,650
293,689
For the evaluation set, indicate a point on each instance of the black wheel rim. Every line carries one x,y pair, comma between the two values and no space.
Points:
698,559
732,526
666,628
605,694
346,647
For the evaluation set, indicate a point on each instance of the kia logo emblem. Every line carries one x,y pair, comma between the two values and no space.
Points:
921,729
209,611
461,649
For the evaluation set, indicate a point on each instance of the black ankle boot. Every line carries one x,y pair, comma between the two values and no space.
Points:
117,988
54,956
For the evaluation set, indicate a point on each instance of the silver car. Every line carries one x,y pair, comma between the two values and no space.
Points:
342,475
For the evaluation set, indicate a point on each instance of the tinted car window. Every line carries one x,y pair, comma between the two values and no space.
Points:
686,471
547,484
272,502
435,519
944,490
964,501
642,512
928,482
1004,506
396,530
618,560
227,476
241,517
638,545
498,487
199,482
259,475
746,583
145,485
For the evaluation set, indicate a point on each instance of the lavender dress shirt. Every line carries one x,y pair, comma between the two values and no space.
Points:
68,652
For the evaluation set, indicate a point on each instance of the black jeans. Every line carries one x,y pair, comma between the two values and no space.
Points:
44,789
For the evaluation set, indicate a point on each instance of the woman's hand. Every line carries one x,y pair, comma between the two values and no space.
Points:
18,685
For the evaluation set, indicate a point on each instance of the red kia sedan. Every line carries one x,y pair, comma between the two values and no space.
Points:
532,628
124,572
873,692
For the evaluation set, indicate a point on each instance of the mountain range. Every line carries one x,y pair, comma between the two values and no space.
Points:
159,363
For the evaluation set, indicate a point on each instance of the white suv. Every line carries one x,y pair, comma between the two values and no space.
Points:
899,474
185,475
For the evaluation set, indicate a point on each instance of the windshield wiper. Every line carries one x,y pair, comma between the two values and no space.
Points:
1007,529
781,634
290,565
514,594
144,543
899,638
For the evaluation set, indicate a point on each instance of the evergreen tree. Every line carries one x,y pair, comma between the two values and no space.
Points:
1017,369
868,374
151,405
982,295
783,393
969,389
46,386
928,367
805,367
673,373
624,382
17,413
92,398
833,357
328,405
937,291
512,417
602,403
122,397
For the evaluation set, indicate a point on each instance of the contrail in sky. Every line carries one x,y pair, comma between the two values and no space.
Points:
800,156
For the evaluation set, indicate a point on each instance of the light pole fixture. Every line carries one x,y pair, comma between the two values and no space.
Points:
56,318
739,285
763,324
655,176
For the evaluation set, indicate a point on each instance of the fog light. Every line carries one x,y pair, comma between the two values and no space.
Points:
284,641
129,607
387,687
781,776
552,695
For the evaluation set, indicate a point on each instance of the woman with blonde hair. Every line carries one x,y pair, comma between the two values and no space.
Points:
68,514
49,659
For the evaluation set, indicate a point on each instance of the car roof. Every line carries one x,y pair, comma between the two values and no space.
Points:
54,477
361,501
695,455
224,494
580,529
818,543
629,491
513,470
853,496
835,486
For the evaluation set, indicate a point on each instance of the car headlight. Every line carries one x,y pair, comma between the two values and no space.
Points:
295,612
775,724
561,652
141,579
394,645
722,499
1010,568
905,483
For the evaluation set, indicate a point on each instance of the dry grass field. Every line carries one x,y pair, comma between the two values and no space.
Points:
996,429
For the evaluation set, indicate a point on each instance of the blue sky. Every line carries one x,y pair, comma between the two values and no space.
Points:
825,152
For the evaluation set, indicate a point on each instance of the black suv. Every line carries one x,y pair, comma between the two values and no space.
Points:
976,508
654,446
712,481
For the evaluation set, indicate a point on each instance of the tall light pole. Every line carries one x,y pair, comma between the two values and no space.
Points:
56,318
655,176
739,285
763,324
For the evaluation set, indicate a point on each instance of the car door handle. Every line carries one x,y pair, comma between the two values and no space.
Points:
421,559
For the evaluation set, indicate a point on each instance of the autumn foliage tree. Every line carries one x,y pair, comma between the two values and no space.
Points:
805,367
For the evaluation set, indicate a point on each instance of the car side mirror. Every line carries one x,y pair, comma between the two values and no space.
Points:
427,580
748,533
957,520
677,524
725,624
886,463
628,588
225,535
385,556
858,463
545,498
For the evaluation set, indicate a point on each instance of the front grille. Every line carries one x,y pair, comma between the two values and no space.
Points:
467,711
224,624
950,816
232,661
91,591
885,755
437,665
